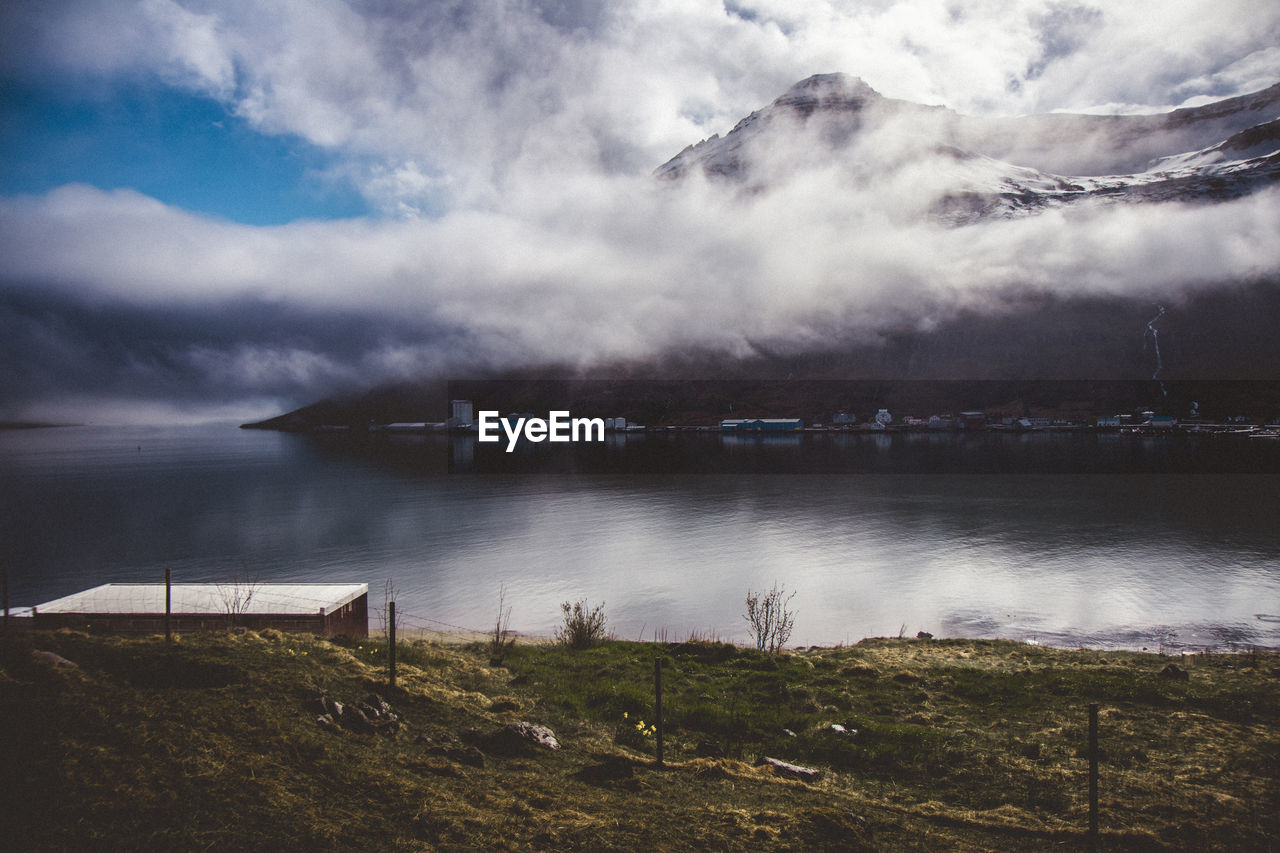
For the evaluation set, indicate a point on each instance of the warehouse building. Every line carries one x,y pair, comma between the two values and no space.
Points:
762,425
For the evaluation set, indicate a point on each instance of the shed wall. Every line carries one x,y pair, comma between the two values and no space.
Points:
352,619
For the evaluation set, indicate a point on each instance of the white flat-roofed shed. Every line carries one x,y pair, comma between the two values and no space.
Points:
301,608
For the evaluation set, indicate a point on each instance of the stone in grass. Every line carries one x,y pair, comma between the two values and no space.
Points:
1175,672
355,719
522,738
791,771
53,659
379,715
374,715
332,718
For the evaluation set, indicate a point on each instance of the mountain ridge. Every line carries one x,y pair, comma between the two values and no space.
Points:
1217,348
1216,151
1219,329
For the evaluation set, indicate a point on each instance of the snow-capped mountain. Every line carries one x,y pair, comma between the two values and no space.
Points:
961,167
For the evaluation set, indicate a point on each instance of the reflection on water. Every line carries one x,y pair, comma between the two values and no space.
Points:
1133,559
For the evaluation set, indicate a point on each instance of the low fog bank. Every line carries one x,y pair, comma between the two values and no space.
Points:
250,360
114,292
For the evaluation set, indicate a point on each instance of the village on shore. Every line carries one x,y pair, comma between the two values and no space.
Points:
1139,421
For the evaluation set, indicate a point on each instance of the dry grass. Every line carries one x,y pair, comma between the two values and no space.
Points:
213,744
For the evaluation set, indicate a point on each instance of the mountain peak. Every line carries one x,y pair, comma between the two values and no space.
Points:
837,81
835,94
827,91
980,166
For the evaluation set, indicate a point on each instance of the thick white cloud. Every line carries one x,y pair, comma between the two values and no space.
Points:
632,272
444,104
509,151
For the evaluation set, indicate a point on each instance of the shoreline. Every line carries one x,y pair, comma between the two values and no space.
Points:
1167,650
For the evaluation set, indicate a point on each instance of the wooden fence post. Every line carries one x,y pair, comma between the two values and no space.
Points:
168,606
4,582
1093,775
391,646
657,691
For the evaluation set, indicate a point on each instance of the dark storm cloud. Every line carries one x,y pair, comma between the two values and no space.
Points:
211,354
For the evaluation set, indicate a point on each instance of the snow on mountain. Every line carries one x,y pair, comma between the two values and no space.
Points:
1261,140
960,168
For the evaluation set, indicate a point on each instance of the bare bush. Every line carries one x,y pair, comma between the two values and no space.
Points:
500,640
236,595
583,625
770,618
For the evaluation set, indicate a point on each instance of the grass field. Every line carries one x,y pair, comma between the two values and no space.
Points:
213,743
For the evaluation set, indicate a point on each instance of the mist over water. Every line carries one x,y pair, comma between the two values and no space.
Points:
1128,558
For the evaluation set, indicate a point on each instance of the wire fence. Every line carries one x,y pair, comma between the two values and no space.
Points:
1079,801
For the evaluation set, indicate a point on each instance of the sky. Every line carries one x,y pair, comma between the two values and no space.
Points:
230,209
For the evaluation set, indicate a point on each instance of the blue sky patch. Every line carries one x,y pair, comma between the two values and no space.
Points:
182,149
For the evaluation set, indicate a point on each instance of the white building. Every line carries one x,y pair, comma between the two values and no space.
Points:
461,414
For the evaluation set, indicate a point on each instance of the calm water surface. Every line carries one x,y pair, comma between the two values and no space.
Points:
878,545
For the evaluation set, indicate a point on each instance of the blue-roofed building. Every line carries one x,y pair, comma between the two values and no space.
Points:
762,425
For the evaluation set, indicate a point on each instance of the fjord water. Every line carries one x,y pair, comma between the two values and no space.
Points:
1065,541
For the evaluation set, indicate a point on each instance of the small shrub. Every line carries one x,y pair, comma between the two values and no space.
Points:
770,619
500,640
583,626
236,595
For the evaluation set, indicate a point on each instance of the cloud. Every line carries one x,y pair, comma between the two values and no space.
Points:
630,274
476,96
508,147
